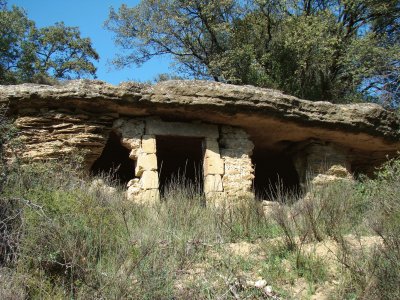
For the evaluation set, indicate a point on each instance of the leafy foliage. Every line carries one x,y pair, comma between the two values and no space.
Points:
195,32
346,50
31,54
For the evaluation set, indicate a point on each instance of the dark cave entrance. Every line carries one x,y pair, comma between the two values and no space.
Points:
274,172
114,161
180,163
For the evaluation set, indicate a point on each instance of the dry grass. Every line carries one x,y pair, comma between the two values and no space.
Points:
71,239
63,237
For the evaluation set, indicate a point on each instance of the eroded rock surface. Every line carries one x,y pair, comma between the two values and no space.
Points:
282,117
54,134
79,115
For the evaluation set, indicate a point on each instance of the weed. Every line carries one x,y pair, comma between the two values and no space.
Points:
64,237
344,211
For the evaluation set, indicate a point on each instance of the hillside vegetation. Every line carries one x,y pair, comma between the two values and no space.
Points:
63,235
66,235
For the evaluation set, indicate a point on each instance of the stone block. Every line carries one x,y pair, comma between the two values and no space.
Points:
158,127
145,162
134,154
149,196
142,196
149,144
212,148
133,192
338,171
133,182
149,180
213,165
129,128
213,183
131,143
323,179
98,185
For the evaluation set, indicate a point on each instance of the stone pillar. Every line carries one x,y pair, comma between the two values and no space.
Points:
318,163
131,132
213,165
236,151
146,170
144,187
213,168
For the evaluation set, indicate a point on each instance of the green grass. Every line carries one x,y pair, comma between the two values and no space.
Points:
76,240
61,237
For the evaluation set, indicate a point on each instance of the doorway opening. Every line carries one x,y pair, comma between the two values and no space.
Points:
114,162
274,173
180,164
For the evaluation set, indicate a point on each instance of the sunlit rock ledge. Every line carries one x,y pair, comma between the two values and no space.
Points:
239,138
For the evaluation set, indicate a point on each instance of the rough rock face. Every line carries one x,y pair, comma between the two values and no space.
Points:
79,115
213,102
54,134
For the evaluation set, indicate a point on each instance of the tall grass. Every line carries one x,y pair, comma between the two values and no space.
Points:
64,236
70,238
346,212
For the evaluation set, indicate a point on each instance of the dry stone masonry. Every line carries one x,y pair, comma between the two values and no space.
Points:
249,138
236,153
229,174
320,162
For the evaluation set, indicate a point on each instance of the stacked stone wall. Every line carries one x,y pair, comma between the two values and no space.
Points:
236,151
228,172
227,166
318,163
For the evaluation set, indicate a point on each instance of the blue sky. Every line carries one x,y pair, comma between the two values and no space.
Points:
89,16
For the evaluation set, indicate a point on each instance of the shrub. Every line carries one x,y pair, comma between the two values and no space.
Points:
345,212
68,236
78,239
384,220
373,272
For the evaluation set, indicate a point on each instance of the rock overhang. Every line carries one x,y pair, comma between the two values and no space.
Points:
273,119
249,136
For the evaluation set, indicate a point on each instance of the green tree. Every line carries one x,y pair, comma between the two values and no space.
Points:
3,4
31,54
336,50
195,32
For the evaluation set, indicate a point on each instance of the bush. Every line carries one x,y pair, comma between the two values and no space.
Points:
68,236
345,212
373,272
384,220
79,239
